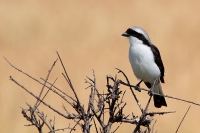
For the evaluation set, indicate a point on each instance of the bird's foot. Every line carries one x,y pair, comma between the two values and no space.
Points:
150,92
137,87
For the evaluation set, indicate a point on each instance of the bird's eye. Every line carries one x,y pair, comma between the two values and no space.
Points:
130,32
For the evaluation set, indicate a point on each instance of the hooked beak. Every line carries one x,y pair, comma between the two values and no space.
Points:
125,34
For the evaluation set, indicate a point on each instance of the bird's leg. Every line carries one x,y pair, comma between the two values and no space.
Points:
151,91
137,87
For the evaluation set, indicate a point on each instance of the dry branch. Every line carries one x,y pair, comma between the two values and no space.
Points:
49,72
99,104
179,99
183,118
58,112
68,79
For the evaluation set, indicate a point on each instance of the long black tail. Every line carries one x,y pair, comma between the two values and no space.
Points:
159,101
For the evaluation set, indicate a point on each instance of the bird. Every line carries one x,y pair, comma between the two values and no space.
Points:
146,62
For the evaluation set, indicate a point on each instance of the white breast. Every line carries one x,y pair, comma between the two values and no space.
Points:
142,62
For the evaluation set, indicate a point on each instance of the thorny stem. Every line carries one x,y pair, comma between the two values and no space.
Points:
136,99
111,96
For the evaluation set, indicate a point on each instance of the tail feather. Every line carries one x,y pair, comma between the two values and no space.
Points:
159,101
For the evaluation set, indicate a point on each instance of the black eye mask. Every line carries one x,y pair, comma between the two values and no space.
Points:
141,37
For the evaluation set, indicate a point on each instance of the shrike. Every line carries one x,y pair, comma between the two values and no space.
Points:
146,61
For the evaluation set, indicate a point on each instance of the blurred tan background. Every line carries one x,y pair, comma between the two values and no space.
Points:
88,36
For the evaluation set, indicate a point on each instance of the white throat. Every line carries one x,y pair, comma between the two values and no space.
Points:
134,40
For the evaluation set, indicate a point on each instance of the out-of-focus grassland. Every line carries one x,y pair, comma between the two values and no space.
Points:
87,34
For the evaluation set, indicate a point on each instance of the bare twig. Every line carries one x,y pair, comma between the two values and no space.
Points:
68,117
49,72
77,123
59,90
97,116
131,121
22,71
47,92
143,116
153,126
136,99
39,81
179,99
63,129
68,79
41,117
159,113
32,118
66,110
183,119
95,125
117,128
122,97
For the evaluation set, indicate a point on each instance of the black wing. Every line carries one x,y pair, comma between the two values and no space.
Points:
158,61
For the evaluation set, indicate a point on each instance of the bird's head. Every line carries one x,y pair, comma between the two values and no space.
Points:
137,35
